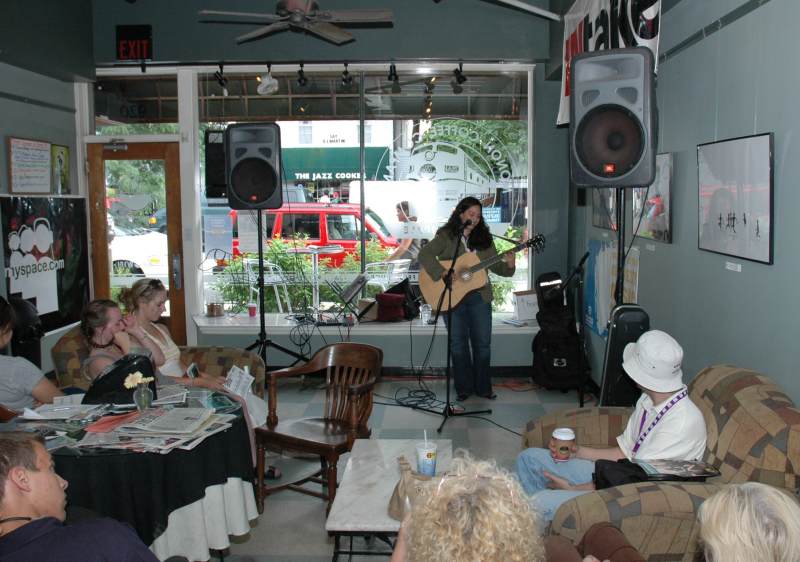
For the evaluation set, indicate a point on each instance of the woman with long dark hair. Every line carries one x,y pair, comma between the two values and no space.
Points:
471,323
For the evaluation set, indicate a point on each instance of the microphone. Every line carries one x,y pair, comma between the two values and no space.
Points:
465,224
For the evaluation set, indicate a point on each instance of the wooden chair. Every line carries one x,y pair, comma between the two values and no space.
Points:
7,414
350,370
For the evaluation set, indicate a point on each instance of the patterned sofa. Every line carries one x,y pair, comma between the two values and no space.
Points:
70,350
753,434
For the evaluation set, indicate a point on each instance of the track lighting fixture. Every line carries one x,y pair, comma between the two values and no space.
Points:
266,83
392,77
458,73
347,78
427,108
301,76
221,80
430,84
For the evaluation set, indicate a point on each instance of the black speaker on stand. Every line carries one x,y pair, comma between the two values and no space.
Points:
253,173
613,133
216,182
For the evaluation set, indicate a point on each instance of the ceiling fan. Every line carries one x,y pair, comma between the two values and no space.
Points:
302,15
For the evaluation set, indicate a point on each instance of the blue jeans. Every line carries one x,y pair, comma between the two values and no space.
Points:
471,324
531,463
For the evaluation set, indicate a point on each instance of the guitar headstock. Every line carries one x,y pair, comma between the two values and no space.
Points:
537,243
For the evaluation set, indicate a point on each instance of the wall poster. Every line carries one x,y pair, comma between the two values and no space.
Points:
46,258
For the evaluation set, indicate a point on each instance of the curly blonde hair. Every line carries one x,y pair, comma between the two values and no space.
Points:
477,513
750,521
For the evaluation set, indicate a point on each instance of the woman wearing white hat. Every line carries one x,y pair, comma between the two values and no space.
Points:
664,425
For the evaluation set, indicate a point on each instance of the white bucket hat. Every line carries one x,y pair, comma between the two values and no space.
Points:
654,361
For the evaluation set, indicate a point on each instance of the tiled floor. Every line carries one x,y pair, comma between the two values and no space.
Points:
292,527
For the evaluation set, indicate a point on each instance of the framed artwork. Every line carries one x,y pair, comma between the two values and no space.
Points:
59,168
604,208
28,165
735,196
652,206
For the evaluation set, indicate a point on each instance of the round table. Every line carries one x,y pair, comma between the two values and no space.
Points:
314,252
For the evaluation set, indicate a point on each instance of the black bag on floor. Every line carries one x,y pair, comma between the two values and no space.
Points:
557,349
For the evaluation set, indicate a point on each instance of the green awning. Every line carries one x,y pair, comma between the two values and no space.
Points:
333,164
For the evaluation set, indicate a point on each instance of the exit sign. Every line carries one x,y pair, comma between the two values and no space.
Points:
134,42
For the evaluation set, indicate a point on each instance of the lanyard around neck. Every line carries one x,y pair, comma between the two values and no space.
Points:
643,435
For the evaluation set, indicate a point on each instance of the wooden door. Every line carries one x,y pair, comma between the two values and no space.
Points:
135,226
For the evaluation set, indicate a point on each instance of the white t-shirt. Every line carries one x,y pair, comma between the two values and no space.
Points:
680,435
18,377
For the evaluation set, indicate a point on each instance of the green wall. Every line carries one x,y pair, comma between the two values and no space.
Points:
734,77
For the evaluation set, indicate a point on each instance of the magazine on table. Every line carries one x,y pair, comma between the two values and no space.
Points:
660,469
177,420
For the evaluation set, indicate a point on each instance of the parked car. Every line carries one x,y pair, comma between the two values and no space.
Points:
321,223
138,251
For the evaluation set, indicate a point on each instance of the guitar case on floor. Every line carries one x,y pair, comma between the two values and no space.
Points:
558,361
627,323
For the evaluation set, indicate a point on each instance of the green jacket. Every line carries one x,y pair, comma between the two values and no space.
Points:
442,247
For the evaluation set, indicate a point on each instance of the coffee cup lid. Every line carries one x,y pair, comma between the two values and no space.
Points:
564,433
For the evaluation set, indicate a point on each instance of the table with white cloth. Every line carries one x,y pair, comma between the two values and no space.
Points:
182,503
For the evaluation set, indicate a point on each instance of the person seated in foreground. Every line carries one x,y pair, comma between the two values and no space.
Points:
22,384
111,337
477,513
750,521
144,302
32,503
665,424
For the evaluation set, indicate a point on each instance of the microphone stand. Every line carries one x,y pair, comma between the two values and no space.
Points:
577,273
448,411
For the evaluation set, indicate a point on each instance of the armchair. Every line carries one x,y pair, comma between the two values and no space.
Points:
350,370
753,431
71,349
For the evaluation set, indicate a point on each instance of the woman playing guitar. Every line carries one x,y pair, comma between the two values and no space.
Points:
472,315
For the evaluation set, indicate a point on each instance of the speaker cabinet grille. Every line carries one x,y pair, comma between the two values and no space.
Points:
255,181
609,141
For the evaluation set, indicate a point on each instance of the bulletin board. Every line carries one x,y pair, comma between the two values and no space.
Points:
29,168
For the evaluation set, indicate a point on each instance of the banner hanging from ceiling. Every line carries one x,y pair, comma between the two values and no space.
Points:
597,25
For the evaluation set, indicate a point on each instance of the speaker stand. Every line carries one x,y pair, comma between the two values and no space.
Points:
618,291
263,342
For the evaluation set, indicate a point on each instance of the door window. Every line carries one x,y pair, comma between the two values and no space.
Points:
343,227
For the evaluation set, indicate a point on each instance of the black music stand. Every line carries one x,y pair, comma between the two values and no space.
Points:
263,341
346,296
448,411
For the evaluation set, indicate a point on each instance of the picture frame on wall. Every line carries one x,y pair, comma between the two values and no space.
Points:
652,206
59,169
604,208
735,197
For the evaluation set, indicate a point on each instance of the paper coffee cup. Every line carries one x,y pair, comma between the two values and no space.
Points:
251,309
562,444
426,458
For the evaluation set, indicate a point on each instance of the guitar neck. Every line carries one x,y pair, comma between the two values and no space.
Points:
489,262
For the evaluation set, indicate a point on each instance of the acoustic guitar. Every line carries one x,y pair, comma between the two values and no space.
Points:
469,274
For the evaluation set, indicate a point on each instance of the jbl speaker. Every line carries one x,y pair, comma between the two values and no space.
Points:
215,164
252,163
613,122
626,324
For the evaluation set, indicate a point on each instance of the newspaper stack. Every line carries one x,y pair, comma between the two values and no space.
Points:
161,430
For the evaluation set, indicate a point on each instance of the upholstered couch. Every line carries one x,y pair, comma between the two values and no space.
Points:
71,349
753,435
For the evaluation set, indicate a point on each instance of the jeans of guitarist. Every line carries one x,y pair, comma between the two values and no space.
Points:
471,329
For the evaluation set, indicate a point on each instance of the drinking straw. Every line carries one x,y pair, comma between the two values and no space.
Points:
425,434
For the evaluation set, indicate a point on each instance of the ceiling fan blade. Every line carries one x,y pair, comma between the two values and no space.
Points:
532,9
328,31
356,16
261,17
262,31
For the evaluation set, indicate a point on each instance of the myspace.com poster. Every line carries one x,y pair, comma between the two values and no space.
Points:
45,253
